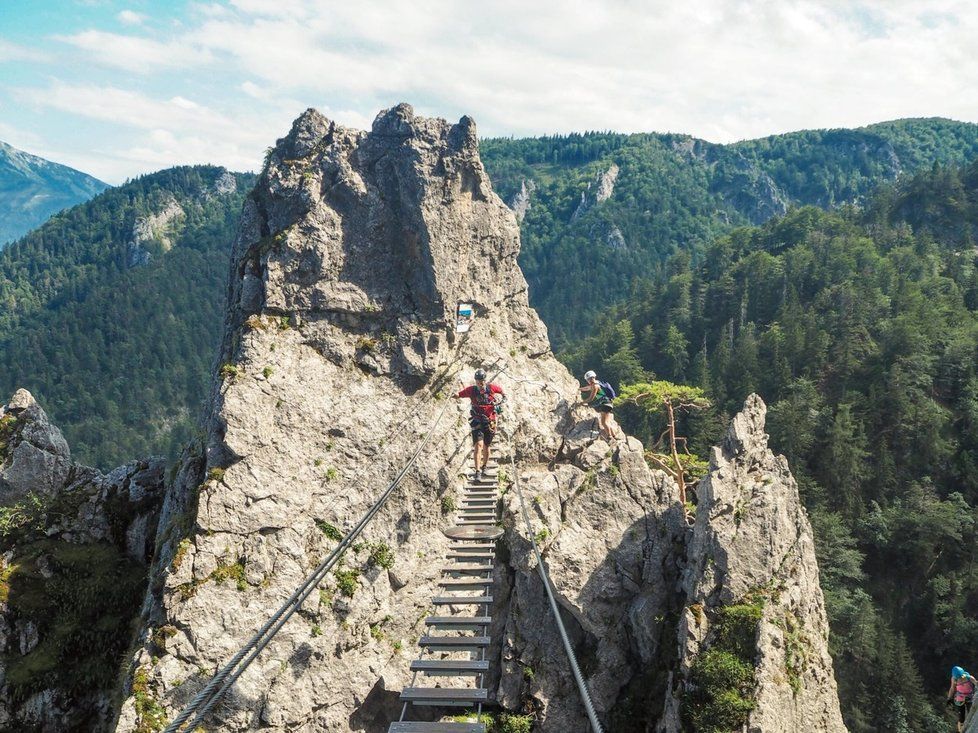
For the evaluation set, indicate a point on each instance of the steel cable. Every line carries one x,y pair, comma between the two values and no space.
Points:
214,690
548,588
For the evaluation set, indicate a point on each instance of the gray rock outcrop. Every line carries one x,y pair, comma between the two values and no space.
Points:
34,457
615,239
153,231
522,199
752,548
74,550
604,187
606,184
354,249
971,725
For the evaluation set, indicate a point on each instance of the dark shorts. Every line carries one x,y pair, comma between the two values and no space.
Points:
604,408
963,711
483,433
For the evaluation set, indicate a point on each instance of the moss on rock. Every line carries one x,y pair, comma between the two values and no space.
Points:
83,614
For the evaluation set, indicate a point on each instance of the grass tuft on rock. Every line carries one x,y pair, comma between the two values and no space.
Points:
348,581
329,530
381,555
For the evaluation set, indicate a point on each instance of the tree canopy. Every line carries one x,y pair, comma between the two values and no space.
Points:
859,328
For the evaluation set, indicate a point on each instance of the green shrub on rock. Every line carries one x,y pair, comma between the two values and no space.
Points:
507,723
722,678
381,555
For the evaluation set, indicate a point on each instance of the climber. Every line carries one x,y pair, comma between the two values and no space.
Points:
961,693
600,394
482,417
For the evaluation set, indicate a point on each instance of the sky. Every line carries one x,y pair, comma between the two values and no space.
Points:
118,88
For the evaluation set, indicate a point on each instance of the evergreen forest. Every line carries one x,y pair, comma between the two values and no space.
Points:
676,193
859,328
118,351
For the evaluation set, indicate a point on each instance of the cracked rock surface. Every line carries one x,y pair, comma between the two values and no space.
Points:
34,456
752,542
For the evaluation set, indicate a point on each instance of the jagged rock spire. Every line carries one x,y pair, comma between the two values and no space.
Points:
34,456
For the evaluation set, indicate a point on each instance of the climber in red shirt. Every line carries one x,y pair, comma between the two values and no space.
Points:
482,418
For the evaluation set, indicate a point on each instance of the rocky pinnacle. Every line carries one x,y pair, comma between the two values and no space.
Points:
353,252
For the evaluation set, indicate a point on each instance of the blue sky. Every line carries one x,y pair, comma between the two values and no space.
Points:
118,88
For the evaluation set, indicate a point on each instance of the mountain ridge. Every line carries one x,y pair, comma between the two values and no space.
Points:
138,270
675,192
33,188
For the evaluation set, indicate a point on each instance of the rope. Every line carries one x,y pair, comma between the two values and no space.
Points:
545,579
214,690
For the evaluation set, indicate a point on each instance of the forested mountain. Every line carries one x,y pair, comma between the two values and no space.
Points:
32,189
110,312
859,327
602,209
82,297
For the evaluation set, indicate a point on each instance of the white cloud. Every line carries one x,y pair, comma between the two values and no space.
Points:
125,107
152,133
720,69
131,17
15,52
726,69
136,53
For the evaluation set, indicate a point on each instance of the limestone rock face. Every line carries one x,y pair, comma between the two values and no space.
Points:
752,543
604,187
73,559
972,723
34,457
354,250
606,184
522,200
608,530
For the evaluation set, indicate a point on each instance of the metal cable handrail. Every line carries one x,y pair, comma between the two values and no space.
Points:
212,692
542,571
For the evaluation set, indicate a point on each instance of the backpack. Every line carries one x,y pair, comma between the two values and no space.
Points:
608,390
964,690
482,397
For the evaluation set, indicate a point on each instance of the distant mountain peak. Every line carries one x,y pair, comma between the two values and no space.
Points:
32,189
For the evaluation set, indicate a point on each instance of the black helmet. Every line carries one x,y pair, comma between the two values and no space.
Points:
480,374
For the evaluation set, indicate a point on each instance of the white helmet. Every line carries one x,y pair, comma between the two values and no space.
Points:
589,375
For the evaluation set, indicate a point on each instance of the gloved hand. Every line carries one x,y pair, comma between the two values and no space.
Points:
950,701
